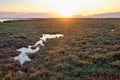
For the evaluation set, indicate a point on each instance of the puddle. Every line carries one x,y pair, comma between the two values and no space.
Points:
112,30
23,57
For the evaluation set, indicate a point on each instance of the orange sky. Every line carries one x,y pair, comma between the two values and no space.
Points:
61,7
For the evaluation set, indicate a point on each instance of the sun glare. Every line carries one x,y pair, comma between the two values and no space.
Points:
68,8
63,8
65,13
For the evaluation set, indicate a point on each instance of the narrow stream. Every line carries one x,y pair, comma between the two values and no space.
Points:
24,51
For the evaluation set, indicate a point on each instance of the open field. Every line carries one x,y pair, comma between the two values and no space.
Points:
89,50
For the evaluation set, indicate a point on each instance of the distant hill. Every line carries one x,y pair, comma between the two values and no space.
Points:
24,15
104,15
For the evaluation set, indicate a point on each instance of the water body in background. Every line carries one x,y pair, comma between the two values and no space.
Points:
2,20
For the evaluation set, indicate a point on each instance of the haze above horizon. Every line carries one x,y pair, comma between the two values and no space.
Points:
61,7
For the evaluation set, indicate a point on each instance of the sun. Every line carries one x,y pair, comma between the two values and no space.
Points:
63,8
65,13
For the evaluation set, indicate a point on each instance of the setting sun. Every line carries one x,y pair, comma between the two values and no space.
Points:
62,8
65,13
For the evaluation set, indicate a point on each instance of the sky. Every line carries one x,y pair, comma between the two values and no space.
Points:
61,7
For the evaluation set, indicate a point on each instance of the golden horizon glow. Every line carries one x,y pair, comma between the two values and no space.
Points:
63,8
66,14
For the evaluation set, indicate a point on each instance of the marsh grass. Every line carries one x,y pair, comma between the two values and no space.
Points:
88,51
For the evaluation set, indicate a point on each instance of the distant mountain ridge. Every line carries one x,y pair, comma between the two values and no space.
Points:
49,15
106,15
103,15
